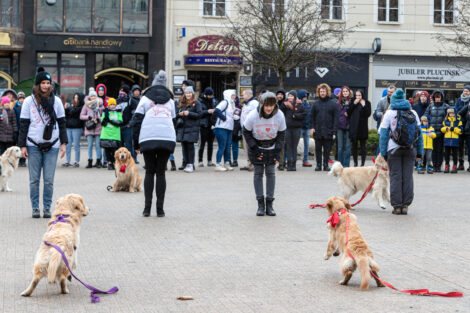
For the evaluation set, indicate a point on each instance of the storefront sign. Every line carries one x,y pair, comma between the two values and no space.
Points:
212,60
72,81
422,73
420,84
92,43
213,45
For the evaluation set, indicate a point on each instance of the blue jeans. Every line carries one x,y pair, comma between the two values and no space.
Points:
126,135
235,147
344,147
73,135
305,134
45,161
224,139
96,139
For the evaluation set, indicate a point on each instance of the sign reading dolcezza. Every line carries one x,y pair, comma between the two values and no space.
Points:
213,45
92,43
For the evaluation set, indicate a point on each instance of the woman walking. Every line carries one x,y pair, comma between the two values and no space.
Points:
91,115
223,129
359,112
42,135
74,125
264,131
155,137
189,112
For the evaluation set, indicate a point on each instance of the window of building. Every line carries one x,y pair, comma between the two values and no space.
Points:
94,16
214,7
109,60
332,9
388,10
444,11
272,5
10,13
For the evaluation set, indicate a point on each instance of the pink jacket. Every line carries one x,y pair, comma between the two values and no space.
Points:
87,111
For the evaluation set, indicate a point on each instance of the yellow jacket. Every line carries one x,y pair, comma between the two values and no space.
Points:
428,136
452,128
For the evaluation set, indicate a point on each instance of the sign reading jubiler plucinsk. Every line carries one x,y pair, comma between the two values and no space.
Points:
213,50
421,73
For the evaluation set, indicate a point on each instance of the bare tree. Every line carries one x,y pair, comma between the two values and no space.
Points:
282,35
458,43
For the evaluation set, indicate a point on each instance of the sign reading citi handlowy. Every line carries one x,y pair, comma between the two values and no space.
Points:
93,43
213,50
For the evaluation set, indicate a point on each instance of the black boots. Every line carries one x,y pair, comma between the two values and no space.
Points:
98,164
269,207
260,211
291,166
46,213
173,166
90,162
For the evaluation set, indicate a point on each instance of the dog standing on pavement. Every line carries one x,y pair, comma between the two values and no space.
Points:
354,179
357,246
8,164
127,174
63,230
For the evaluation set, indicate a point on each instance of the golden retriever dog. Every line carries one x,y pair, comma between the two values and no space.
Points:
354,179
363,257
63,230
8,164
127,175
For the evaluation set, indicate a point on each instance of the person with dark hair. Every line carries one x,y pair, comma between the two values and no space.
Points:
17,109
305,131
206,99
343,142
236,133
281,97
74,127
359,113
462,102
128,109
91,116
264,131
42,138
185,84
422,103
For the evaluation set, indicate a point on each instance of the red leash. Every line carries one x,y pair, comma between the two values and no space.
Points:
413,292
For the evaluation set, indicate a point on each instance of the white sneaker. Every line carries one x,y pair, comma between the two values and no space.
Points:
189,168
201,164
219,168
228,167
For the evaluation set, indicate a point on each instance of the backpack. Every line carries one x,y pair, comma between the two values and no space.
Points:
214,117
407,132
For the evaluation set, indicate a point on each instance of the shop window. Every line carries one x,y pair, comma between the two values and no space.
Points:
388,10
72,80
111,60
47,58
10,13
331,9
140,66
107,16
78,16
132,61
129,60
443,11
5,65
214,7
99,62
73,59
135,14
49,18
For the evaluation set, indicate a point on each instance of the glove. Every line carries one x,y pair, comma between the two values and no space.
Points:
452,129
89,118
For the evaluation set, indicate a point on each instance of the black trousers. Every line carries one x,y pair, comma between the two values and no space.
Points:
454,151
110,154
188,151
462,139
438,151
401,163
207,136
155,165
354,151
323,149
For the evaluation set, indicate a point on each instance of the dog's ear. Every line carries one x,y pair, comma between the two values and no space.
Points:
329,206
77,202
128,154
116,154
346,204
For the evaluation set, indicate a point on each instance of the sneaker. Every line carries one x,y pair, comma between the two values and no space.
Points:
67,164
189,168
219,168
420,170
461,167
201,164
430,171
306,164
76,164
318,168
234,164
36,213
454,169
228,167
209,163
110,167
46,213
446,170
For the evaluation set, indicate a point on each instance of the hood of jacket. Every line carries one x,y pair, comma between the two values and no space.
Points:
9,90
135,87
302,93
401,104
158,94
105,89
436,92
228,95
81,98
283,91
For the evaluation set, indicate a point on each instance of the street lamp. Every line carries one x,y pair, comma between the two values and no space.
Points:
51,2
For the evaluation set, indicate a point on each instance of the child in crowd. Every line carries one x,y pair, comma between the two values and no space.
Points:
452,128
428,135
110,138
8,127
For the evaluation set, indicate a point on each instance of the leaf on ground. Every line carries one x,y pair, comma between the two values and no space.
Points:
185,298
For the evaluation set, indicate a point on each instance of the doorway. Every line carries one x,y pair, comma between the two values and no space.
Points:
218,80
114,78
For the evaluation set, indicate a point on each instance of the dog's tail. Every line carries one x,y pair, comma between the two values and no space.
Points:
363,266
336,170
54,263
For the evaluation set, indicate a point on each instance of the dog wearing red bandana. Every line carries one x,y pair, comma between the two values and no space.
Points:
127,174
346,238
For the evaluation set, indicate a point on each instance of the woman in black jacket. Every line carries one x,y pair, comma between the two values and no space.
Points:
359,112
207,134
187,124
74,128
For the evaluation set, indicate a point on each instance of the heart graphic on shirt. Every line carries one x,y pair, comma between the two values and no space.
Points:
268,129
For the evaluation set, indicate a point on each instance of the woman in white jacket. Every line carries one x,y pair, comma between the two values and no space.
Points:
223,129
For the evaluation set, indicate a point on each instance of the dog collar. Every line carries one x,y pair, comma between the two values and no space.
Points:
334,218
123,168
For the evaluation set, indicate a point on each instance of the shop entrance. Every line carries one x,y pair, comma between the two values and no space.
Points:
218,80
114,78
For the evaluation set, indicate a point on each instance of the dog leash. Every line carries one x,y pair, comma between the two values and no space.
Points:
413,292
94,290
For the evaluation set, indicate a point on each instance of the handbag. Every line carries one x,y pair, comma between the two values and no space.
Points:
179,122
90,125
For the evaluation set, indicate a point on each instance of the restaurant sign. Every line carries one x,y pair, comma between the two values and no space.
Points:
213,45
212,60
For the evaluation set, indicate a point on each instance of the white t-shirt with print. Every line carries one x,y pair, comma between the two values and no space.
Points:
158,120
265,129
389,121
32,111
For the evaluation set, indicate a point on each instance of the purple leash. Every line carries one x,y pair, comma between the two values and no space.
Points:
94,291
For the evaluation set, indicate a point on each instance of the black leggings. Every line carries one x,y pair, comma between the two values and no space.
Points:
437,152
207,135
110,154
455,153
354,151
155,165
188,150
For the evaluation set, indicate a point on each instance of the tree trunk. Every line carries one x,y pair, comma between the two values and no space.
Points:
282,76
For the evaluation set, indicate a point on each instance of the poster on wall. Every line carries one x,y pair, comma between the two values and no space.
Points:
178,79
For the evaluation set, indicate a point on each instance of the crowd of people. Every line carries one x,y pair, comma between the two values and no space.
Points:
269,126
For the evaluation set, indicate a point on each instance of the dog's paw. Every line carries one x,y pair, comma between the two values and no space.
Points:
25,293
343,282
65,291
336,253
326,256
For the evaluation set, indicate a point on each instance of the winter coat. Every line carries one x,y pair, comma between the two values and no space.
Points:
358,124
17,109
72,114
452,128
306,121
105,98
465,116
111,122
381,108
188,131
87,114
428,136
294,117
420,108
343,119
206,105
436,113
8,126
129,110
459,105
324,118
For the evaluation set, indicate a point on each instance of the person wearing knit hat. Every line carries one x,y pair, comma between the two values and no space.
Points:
42,75
264,131
8,125
423,102
462,102
92,93
452,129
401,160
110,138
336,92
160,79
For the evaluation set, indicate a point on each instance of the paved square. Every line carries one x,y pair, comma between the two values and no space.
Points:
211,246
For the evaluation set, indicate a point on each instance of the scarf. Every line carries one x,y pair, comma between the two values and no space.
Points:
464,99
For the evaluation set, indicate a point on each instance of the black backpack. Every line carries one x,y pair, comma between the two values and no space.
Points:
407,132
214,117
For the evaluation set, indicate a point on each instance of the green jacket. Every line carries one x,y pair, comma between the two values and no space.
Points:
111,130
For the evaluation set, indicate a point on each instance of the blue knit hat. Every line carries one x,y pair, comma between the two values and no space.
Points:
209,91
397,96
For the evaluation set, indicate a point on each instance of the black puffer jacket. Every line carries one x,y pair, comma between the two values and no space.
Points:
295,117
72,113
465,116
206,104
189,130
358,116
436,113
324,118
